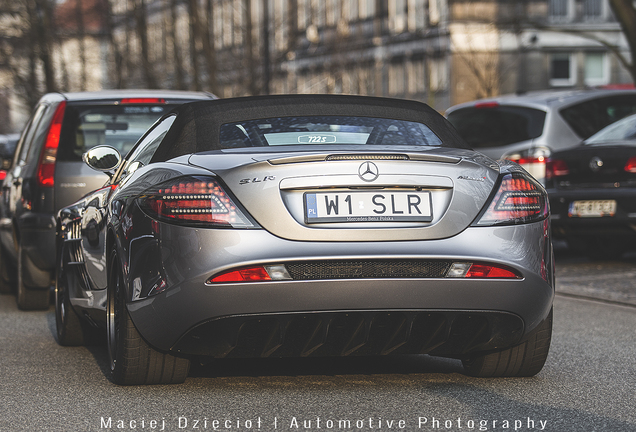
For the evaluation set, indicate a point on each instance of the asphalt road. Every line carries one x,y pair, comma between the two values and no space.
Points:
588,383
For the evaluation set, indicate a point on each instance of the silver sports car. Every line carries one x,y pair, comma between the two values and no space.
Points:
306,225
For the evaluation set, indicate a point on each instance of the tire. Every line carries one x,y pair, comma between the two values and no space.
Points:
7,274
30,298
132,360
71,330
524,360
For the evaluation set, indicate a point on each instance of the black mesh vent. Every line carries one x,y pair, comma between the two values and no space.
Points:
369,269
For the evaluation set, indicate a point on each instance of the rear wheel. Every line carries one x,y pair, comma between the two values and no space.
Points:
30,298
132,360
71,329
524,360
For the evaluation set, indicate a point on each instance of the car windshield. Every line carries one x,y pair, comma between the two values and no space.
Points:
493,125
622,130
325,130
118,126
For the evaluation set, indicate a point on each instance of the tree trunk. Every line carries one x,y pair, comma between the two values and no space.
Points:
194,37
142,34
179,73
625,14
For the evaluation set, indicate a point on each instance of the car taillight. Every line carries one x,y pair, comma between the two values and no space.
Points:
630,166
48,157
194,201
519,199
556,168
3,174
143,101
470,270
262,273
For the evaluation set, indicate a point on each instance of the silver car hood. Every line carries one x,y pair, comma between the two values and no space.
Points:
271,185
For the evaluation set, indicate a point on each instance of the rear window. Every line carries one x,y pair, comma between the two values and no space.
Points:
498,125
119,126
325,130
591,116
622,130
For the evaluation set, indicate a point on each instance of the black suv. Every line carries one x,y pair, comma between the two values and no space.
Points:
47,173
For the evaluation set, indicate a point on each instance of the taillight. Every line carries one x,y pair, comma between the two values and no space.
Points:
46,167
490,104
556,168
630,166
519,199
3,174
262,273
470,270
533,161
194,201
143,101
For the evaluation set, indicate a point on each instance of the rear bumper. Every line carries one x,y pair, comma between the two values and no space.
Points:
444,316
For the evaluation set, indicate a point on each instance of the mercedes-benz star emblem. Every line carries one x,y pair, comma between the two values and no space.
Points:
368,171
596,163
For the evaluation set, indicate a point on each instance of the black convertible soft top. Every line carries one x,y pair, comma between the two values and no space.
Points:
197,126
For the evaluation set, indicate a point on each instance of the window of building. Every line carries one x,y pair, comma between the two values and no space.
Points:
595,10
396,79
438,75
561,10
596,69
562,70
397,16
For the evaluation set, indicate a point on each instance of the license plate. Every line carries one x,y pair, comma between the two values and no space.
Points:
412,206
592,208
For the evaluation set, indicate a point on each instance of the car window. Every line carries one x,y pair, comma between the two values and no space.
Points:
589,117
146,148
325,130
497,125
118,126
27,138
622,130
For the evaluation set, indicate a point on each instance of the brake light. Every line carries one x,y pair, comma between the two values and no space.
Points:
470,270
556,168
3,174
519,199
143,101
487,104
272,272
196,201
48,157
630,166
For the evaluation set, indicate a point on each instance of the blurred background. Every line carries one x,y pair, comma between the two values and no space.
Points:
441,52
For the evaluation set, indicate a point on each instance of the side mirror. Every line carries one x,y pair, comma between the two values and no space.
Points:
102,158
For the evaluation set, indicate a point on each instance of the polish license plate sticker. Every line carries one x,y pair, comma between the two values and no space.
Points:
592,208
397,206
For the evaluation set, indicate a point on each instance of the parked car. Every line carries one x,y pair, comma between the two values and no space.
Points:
7,149
47,173
306,225
527,128
592,189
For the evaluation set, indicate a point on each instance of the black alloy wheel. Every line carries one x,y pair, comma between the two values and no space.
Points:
132,360
71,330
524,360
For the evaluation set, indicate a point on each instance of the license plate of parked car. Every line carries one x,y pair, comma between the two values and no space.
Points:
592,208
368,207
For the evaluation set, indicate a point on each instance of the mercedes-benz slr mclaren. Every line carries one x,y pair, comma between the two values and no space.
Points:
306,225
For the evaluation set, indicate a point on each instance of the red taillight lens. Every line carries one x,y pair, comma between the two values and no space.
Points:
519,199
143,101
630,166
253,274
483,271
491,104
46,167
3,174
556,168
196,201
